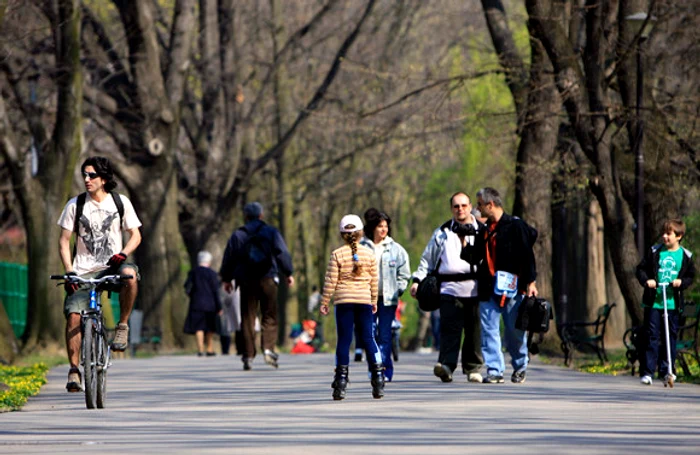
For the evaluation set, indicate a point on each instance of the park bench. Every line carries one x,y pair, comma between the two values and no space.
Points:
686,344
579,334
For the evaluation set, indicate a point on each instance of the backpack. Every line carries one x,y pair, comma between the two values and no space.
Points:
257,253
80,203
530,231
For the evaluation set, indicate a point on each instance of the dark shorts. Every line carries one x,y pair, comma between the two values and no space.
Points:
80,300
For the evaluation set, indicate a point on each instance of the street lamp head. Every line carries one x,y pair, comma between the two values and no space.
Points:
641,21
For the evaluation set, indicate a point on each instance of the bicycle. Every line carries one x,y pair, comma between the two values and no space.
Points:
95,351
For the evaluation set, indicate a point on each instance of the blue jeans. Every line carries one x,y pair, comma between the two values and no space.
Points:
385,316
347,316
656,341
515,340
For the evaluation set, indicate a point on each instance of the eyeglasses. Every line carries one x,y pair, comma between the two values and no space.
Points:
91,175
456,206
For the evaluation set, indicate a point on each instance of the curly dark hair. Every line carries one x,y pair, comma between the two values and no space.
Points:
372,219
103,168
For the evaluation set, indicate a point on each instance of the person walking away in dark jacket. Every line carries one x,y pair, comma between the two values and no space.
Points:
202,286
255,256
672,264
508,275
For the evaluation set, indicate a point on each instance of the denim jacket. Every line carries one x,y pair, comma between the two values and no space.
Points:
395,269
431,254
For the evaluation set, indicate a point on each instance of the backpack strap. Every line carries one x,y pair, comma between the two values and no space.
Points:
120,205
80,204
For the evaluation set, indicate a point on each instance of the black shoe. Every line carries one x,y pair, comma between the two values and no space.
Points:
443,372
494,379
377,381
358,356
518,377
247,364
211,354
340,382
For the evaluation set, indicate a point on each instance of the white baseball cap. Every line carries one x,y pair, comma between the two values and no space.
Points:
351,223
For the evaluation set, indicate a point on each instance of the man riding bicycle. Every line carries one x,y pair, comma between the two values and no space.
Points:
98,250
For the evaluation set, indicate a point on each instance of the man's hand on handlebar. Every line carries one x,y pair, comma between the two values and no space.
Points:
70,287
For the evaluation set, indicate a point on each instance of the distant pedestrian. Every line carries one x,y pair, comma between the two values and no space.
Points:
459,303
672,264
351,280
394,270
255,256
202,286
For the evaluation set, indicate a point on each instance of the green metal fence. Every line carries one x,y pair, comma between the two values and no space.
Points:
13,294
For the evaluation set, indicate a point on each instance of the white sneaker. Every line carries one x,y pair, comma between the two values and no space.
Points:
475,377
646,380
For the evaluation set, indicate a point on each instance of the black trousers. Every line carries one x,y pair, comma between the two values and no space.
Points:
460,316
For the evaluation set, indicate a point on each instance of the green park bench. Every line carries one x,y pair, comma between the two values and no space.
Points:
586,334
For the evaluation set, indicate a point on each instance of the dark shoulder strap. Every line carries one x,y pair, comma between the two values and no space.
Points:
120,205
80,203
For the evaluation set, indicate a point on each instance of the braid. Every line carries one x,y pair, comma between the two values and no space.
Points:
352,238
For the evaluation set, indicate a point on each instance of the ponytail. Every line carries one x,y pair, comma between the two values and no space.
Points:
352,239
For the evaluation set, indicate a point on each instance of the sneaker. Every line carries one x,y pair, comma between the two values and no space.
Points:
73,384
518,377
271,358
475,377
646,380
494,379
443,372
121,338
247,365
669,379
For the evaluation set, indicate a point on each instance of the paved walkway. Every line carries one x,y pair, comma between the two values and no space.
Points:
185,404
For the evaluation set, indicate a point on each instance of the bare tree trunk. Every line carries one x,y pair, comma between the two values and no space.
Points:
584,94
42,196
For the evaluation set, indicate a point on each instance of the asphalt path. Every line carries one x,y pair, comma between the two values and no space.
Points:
186,404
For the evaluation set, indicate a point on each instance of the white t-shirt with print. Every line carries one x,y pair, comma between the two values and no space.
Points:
99,232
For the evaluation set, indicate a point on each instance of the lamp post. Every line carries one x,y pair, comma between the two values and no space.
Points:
641,24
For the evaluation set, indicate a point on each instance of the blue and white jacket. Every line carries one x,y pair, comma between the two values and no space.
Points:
394,269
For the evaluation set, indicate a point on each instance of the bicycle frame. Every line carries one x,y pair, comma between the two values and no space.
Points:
95,351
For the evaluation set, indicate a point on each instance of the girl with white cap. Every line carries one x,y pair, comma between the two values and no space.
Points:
351,280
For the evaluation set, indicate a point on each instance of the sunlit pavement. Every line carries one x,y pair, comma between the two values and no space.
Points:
189,404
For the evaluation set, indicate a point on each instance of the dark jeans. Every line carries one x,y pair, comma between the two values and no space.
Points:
263,294
347,317
656,341
385,316
458,315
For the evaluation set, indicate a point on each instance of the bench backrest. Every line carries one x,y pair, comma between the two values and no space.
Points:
603,316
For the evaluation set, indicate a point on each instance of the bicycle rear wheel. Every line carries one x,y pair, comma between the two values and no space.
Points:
90,363
102,364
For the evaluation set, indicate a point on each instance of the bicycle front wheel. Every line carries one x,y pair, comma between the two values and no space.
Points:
90,362
102,364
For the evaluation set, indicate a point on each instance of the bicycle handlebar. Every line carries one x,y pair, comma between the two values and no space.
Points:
93,281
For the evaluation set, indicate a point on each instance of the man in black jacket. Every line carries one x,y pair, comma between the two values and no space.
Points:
257,288
507,275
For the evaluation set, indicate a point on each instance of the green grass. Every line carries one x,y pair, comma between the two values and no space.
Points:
617,365
21,383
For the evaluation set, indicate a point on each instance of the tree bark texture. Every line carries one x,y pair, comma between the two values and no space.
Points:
43,195
585,99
